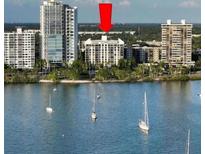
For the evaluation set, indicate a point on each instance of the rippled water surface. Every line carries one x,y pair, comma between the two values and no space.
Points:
174,107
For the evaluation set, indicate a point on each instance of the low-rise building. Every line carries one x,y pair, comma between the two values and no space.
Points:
19,49
104,51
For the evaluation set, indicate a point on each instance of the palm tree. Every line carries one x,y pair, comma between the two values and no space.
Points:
140,71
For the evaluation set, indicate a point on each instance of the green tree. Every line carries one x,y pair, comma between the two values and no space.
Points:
40,64
103,74
53,76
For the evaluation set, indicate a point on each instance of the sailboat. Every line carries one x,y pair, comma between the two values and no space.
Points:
98,96
187,150
94,115
144,123
49,108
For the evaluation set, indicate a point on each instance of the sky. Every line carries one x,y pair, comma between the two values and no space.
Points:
124,11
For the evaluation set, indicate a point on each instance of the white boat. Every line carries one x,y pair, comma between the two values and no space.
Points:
98,96
144,123
187,150
54,89
49,108
94,115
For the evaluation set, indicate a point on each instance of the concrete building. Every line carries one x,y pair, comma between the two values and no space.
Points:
140,54
128,53
19,49
146,54
59,32
104,51
177,43
154,54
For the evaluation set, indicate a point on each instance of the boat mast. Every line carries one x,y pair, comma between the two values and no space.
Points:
94,98
188,142
146,110
49,100
145,107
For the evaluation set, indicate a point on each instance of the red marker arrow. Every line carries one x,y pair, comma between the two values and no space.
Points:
105,16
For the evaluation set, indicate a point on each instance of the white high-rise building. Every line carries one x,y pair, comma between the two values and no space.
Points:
19,49
59,32
177,43
104,51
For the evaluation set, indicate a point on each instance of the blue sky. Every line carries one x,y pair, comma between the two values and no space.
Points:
124,11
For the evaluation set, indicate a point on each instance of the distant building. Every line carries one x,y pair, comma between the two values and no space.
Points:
19,49
146,54
154,54
140,54
104,51
32,30
128,53
177,43
59,32
104,33
153,43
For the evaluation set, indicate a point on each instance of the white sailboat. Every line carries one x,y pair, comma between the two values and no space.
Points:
187,150
49,108
144,123
94,115
98,96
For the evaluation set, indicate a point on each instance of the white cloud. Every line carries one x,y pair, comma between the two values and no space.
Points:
190,4
125,3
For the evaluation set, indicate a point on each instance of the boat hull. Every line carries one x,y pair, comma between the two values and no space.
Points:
142,125
94,115
49,109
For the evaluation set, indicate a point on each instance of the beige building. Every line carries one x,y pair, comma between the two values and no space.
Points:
177,43
154,54
104,51
19,49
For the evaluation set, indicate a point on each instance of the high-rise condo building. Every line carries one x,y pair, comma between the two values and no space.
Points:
59,32
104,51
177,43
19,49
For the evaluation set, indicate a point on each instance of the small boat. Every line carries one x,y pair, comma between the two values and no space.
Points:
144,123
54,89
94,115
187,150
98,96
49,108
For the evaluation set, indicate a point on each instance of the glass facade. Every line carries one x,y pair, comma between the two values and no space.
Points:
55,48
58,32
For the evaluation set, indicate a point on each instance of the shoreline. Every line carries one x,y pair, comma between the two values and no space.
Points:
107,81
87,81
83,81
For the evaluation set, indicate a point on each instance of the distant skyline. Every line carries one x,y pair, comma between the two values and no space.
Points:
124,11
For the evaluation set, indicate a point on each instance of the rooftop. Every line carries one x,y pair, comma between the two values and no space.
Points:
104,39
